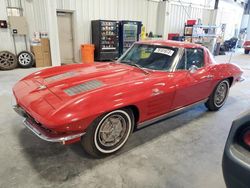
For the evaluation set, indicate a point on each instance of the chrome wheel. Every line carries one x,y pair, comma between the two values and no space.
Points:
112,131
24,59
221,93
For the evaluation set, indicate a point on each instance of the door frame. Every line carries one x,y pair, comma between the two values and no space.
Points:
73,21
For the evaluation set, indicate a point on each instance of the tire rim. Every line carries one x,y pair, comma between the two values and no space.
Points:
221,94
24,59
7,59
112,131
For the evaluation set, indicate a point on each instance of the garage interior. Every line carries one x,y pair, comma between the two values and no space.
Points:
183,151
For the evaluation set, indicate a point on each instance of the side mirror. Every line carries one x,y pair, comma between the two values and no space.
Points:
193,69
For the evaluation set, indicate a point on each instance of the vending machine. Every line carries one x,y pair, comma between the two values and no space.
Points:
129,32
105,37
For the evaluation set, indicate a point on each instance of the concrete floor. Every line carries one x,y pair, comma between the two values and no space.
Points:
184,151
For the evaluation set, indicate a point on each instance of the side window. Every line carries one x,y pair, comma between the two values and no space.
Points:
195,56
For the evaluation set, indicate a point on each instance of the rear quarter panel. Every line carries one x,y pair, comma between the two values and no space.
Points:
224,71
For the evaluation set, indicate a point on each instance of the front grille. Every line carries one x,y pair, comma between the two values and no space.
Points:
31,119
87,86
59,76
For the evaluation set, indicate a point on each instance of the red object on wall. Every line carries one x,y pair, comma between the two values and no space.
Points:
191,22
171,35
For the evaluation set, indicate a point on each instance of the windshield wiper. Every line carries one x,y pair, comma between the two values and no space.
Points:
135,65
140,67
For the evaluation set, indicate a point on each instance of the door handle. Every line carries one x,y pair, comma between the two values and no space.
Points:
156,91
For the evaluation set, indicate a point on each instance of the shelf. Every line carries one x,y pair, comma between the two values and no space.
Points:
196,36
202,26
206,26
205,35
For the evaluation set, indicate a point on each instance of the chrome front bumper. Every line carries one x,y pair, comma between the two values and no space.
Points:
240,79
41,132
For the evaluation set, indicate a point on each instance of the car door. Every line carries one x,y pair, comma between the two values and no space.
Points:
193,80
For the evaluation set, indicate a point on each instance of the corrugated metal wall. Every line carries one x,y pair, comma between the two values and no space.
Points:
36,13
88,10
178,14
41,16
230,14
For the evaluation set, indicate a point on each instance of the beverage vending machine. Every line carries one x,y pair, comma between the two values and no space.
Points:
129,32
105,37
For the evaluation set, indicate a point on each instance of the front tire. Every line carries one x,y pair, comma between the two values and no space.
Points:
246,51
218,98
108,133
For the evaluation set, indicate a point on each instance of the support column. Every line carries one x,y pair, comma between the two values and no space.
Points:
248,29
53,32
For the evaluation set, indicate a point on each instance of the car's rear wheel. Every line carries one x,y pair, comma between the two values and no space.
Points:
108,133
246,51
218,98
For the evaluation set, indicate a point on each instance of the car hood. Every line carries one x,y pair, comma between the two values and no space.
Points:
72,81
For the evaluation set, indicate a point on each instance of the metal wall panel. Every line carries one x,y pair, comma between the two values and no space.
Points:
231,15
178,14
36,13
5,36
152,10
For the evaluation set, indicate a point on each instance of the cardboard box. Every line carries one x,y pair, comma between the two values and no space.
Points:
37,51
42,53
45,44
39,63
47,59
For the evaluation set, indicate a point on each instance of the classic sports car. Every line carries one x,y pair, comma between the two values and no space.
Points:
100,104
246,46
236,158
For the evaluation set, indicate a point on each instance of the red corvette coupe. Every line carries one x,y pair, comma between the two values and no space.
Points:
100,104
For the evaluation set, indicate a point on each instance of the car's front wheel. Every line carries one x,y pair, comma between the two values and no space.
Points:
218,98
246,51
108,133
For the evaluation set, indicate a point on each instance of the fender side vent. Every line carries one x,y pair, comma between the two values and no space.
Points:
87,86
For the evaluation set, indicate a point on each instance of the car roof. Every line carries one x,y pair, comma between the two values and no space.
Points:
170,43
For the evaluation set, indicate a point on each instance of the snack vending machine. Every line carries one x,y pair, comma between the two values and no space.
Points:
105,37
129,33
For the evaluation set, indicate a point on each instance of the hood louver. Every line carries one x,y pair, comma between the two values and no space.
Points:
59,76
87,86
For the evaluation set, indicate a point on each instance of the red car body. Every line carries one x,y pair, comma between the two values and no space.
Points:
246,46
59,116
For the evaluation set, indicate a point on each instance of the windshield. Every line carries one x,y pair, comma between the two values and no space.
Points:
153,57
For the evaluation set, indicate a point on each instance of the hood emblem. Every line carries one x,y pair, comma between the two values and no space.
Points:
41,87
